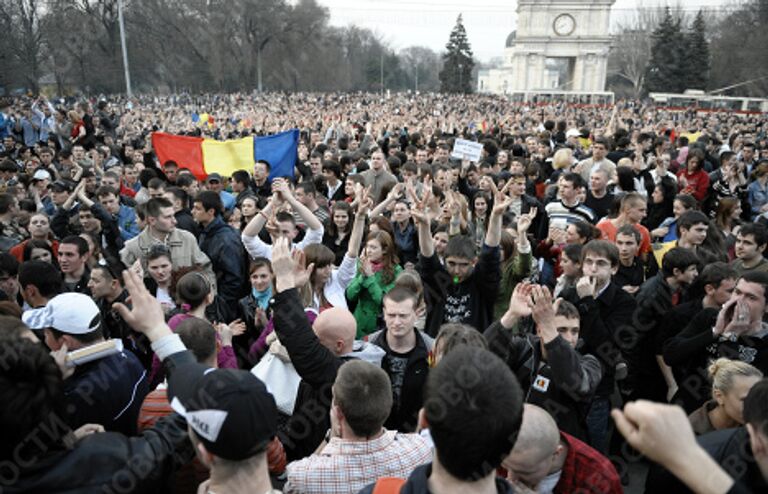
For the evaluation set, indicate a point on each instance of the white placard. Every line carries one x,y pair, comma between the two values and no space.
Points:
467,150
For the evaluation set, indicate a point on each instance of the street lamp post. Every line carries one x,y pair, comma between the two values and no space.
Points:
125,48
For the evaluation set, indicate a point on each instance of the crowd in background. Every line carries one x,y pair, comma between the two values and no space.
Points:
409,313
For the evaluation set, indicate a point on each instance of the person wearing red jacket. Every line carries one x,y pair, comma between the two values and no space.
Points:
693,179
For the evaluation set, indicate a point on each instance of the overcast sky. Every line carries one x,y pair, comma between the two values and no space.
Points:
428,23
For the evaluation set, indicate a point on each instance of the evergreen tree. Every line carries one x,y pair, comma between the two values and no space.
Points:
456,76
668,65
698,61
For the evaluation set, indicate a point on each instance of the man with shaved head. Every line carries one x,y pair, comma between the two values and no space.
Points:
550,461
316,353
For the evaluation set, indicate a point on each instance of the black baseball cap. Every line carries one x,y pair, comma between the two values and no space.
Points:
213,177
230,410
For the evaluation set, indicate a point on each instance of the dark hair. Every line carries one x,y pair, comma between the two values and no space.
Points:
265,163
185,180
461,247
567,310
332,167
689,219
106,190
363,392
209,199
241,177
625,177
687,200
7,201
156,183
42,275
307,187
331,228
199,336
155,204
192,289
760,232
586,230
574,179
156,251
630,231
82,245
678,258
573,252
602,248
474,407
32,393
9,265
759,277
755,407
258,262
715,273
179,194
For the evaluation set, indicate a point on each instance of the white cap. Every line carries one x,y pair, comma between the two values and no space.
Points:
573,133
41,175
71,313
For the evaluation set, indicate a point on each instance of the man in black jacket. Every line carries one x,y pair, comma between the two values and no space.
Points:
611,309
464,289
656,297
736,331
550,370
407,357
221,243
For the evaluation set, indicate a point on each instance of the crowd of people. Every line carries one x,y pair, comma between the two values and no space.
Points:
391,317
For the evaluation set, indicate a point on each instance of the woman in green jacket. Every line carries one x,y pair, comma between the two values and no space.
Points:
375,276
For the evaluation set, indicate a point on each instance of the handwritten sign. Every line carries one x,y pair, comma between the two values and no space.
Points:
467,150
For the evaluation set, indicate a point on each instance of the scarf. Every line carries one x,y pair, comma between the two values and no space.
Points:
377,266
262,298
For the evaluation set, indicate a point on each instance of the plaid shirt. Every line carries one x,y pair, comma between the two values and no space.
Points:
586,470
348,466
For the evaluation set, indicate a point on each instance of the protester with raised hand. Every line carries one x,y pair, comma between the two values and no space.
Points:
284,223
563,380
316,352
464,290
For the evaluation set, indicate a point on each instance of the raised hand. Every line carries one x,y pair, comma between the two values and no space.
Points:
518,303
301,272
543,312
525,220
146,314
283,264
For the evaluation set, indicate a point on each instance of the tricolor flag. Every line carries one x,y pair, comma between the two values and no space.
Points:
206,156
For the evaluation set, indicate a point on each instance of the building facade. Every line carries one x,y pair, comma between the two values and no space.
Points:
559,45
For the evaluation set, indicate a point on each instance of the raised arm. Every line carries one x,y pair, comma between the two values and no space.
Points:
358,227
500,205
394,194
254,226
281,185
420,217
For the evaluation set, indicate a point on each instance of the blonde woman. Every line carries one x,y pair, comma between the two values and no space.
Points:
731,382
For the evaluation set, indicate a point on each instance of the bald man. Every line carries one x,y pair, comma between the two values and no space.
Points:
549,461
316,353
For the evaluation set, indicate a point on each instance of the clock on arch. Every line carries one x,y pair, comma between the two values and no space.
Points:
564,24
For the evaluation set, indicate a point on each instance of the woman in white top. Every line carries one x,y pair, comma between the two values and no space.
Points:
325,285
